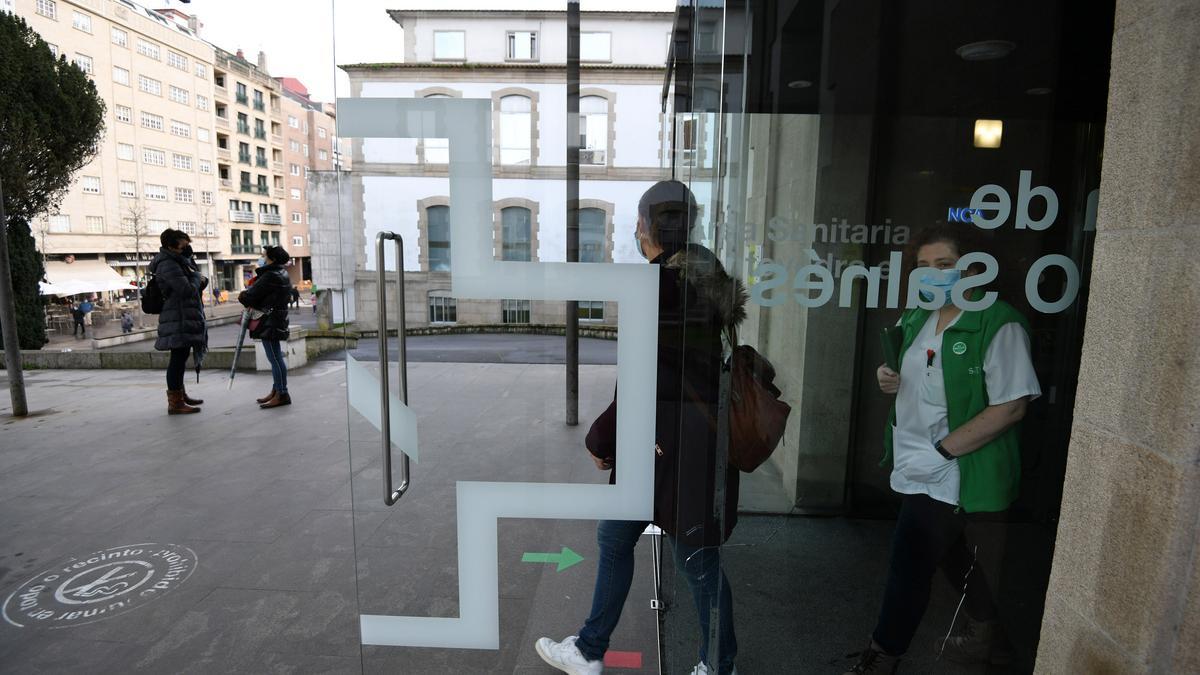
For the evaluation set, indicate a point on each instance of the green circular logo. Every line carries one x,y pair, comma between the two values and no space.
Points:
959,348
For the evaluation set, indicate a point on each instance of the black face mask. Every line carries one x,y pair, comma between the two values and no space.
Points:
187,251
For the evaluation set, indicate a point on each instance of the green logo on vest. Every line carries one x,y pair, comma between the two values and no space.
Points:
959,348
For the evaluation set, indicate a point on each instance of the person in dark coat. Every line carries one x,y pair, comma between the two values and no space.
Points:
698,303
77,315
181,326
269,293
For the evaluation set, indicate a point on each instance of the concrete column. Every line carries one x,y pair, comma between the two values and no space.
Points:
1124,594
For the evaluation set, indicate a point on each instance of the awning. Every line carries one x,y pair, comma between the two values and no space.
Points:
81,276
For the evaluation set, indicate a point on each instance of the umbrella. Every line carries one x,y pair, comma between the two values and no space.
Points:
238,350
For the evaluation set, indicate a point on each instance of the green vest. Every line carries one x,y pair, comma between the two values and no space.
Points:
990,477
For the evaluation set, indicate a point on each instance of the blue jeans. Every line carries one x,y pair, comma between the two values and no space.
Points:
614,575
278,365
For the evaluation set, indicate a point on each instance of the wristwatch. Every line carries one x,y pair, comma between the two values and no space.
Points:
943,451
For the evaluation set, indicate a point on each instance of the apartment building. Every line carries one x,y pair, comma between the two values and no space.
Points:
310,145
156,167
517,60
248,113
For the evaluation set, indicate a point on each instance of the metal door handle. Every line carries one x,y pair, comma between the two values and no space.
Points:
391,496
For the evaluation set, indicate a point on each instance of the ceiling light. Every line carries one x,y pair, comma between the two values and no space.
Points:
988,133
1039,91
985,50
799,84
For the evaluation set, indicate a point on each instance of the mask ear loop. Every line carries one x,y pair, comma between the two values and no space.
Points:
963,599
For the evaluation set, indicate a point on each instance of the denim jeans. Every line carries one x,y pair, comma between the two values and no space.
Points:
614,575
278,365
929,534
177,367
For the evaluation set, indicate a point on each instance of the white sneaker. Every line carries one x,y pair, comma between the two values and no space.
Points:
702,669
566,656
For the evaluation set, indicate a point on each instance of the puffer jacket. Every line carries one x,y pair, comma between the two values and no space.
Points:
181,322
270,292
697,302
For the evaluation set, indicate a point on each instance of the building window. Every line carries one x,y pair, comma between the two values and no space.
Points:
187,226
60,223
595,46
516,142
181,161
201,102
294,146
81,21
53,49
148,49
177,60
84,62
438,221
442,308
157,226
205,166
306,149
522,46
689,129
294,169
449,45
157,193
95,224
592,229
206,197
149,85
180,129
321,154
91,184
293,122
120,75
151,121
178,95
516,234
155,157
297,217
120,37
47,8
202,135
295,193
514,311
123,113
321,132
125,151
593,130
184,195
201,70
128,225
591,310
129,189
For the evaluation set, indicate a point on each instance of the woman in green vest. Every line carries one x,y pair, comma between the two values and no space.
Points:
965,379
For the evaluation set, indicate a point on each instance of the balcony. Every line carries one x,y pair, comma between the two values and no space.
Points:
278,193
244,157
221,90
243,99
222,122
270,219
247,187
243,249
243,128
260,162
260,134
223,153
592,157
277,166
262,190
226,183
241,216
258,105
277,139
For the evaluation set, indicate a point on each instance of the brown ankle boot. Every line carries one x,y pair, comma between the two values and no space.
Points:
277,400
266,398
177,406
189,400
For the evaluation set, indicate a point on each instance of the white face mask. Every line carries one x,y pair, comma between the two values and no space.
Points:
262,262
637,243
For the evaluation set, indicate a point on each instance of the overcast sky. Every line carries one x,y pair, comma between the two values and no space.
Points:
298,35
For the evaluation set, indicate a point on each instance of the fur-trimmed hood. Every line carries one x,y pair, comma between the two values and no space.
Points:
725,295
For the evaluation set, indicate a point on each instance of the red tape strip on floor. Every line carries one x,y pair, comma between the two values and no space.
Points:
622,659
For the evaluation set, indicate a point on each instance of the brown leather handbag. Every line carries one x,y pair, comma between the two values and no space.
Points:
757,418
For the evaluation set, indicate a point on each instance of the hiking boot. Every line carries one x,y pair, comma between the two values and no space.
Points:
277,400
189,400
566,657
177,406
976,642
266,398
874,660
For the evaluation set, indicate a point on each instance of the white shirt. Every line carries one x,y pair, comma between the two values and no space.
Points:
921,405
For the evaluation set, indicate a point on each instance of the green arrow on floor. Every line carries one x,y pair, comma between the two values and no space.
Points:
564,560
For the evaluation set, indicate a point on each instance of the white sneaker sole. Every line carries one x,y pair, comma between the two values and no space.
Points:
571,670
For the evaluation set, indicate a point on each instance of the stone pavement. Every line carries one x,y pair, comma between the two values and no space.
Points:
226,542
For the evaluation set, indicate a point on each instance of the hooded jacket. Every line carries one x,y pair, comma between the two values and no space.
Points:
270,292
697,302
181,322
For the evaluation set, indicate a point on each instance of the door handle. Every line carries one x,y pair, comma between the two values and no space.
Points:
390,495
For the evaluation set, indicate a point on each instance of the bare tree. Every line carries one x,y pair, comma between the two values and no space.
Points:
207,231
137,226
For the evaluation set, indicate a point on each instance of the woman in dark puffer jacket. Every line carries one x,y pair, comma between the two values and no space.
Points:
181,326
269,293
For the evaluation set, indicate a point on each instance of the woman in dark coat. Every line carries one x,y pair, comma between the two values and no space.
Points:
181,326
269,293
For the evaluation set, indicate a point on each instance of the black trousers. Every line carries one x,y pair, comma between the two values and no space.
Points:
177,367
929,534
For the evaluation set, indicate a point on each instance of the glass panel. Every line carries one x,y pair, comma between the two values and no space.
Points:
516,231
592,235
439,238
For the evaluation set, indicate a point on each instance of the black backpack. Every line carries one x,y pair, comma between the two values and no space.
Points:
152,297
